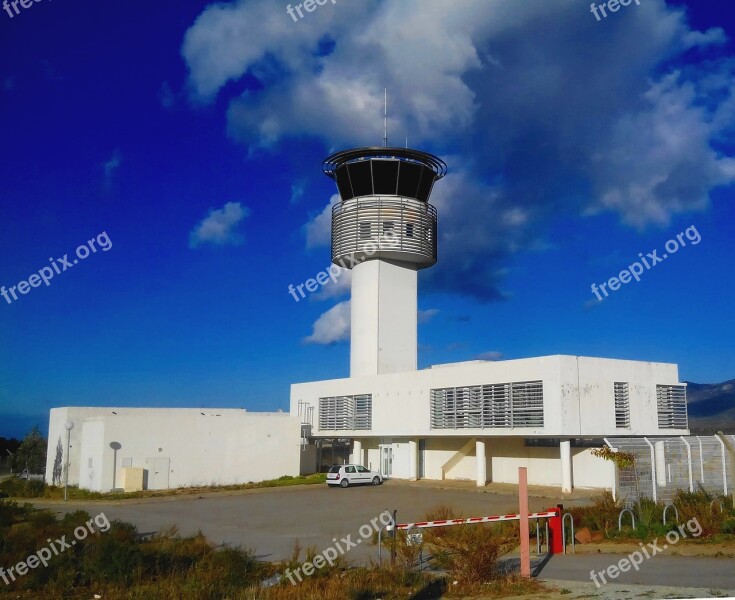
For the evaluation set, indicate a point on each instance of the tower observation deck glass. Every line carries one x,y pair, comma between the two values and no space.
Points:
384,210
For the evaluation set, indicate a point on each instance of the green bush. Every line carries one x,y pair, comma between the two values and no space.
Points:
15,487
728,526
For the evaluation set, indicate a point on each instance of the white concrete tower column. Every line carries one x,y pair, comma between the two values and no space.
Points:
413,458
383,311
565,454
481,462
357,452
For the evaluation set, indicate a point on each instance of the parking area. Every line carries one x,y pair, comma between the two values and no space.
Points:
270,520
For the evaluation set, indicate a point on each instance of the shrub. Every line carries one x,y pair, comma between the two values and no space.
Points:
702,506
728,526
601,516
15,487
470,553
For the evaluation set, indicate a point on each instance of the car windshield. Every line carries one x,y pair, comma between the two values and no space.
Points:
334,469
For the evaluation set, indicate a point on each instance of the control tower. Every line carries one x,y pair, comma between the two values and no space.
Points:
385,230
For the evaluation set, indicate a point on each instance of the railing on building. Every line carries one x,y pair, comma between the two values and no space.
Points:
306,414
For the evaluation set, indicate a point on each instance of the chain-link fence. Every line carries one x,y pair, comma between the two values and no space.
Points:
664,465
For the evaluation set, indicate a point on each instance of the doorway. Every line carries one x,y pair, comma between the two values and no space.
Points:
158,472
386,460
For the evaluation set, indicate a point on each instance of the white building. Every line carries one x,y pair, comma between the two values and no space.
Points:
174,447
475,420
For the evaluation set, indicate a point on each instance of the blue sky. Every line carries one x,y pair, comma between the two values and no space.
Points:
192,134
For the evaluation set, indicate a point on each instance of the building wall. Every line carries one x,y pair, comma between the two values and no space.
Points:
596,400
204,447
578,396
543,464
91,459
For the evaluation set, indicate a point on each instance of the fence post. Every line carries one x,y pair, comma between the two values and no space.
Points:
614,470
653,470
724,463
731,452
689,463
701,461
523,516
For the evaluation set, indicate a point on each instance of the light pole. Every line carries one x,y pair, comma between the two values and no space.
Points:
69,426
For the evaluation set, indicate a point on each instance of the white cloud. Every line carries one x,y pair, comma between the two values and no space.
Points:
335,289
539,110
219,226
332,326
297,191
427,315
319,229
110,167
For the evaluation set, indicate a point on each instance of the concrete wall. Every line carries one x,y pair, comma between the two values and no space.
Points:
593,390
203,446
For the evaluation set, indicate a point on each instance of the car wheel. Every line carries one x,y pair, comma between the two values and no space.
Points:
376,480
344,483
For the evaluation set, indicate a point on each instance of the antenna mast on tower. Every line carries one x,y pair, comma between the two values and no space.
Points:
385,118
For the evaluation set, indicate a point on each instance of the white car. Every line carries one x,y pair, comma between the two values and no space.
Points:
346,475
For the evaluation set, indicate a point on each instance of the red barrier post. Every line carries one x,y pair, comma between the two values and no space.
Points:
555,539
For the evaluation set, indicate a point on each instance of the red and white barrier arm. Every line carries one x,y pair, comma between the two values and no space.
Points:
493,519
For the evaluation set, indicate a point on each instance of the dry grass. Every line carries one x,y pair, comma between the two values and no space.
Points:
21,488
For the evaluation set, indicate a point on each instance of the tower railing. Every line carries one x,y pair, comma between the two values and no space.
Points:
390,227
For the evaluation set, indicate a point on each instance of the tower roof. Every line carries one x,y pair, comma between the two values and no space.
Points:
336,160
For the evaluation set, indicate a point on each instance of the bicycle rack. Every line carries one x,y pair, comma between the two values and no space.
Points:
409,541
620,518
538,535
676,512
564,531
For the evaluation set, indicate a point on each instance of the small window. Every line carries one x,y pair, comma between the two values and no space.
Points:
672,406
388,228
334,469
622,405
364,230
362,470
409,230
350,469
